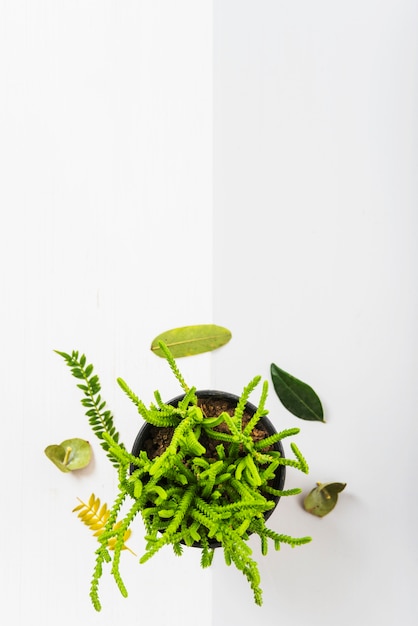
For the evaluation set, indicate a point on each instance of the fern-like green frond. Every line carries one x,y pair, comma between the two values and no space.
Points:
260,412
102,556
259,527
282,492
303,465
239,553
100,418
123,530
142,409
174,524
173,365
220,436
269,441
207,553
239,411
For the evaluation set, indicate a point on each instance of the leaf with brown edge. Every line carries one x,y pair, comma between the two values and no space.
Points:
323,498
191,340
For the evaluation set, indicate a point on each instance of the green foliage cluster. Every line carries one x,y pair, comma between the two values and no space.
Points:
184,497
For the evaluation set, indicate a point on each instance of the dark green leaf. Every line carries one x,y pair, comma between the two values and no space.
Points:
323,498
88,370
298,397
190,340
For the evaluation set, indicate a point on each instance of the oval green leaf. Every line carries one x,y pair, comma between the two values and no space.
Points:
191,340
71,454
323,498
298,397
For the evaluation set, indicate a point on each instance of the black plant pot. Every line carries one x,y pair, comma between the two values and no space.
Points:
145,434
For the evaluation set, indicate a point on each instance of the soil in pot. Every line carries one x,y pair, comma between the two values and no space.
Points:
154,440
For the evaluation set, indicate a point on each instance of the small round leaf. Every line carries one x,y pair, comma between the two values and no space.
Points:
323,498
56,454
71,454
80,453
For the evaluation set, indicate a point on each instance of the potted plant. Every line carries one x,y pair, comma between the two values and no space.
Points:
206,470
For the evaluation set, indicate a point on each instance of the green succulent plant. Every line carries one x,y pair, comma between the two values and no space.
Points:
185,496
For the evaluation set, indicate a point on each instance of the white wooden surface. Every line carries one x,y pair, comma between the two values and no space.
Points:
315,187
143,145
106,240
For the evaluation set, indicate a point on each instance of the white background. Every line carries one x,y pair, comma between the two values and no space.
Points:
315,203
247,163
